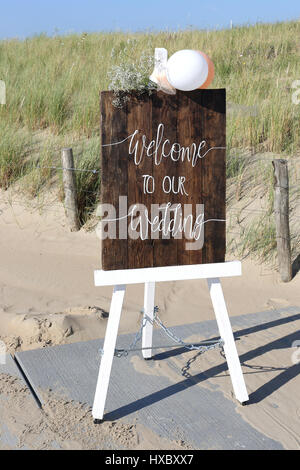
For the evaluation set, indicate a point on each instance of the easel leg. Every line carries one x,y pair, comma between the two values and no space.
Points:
230,350
109,350
149,311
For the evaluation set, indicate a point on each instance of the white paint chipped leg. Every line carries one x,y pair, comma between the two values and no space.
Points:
108,351
149,312
230,350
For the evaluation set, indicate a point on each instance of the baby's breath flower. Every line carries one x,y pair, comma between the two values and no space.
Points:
127,77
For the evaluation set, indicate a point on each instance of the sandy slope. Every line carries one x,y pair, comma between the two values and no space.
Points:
47,294
66,425
47,297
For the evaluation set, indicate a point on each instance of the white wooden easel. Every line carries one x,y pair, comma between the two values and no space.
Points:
149,276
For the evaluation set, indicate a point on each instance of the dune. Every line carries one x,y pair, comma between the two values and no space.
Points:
47,297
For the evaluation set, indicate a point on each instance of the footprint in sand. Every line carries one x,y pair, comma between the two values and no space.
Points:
277,303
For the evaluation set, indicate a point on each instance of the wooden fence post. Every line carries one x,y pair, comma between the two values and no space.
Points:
281,210
69,182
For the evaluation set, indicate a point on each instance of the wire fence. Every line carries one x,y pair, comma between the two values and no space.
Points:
39,199
83,170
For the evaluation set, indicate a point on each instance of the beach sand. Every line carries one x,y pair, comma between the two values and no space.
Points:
47,297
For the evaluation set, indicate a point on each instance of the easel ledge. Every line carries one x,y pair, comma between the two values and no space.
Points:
168,273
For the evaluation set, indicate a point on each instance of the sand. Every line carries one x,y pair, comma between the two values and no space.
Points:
47,297
67,425
47,293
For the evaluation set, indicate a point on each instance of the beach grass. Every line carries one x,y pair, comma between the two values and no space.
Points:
15,146
55,82
53,85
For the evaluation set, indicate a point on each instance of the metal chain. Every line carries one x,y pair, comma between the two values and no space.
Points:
190,347
201,348
137,338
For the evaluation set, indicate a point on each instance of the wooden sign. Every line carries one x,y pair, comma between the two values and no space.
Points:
163,179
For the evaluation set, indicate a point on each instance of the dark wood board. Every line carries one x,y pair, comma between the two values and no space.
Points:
189,118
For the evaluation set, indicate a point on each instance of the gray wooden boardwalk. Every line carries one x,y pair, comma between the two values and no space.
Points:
182,409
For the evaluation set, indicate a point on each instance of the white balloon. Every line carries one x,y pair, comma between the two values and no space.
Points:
187,70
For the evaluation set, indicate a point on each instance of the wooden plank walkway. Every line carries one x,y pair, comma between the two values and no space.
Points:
183,409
